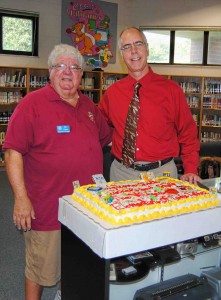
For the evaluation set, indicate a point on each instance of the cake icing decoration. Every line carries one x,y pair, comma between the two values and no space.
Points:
132,201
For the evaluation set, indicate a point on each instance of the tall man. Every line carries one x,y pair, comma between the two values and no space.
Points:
165,126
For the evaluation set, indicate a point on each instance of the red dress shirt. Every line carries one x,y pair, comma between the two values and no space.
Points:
166,127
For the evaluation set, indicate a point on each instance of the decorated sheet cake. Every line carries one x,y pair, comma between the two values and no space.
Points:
128,202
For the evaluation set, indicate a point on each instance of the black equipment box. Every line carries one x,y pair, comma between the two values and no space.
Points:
188,287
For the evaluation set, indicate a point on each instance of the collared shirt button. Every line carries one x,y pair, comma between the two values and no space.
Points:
138,149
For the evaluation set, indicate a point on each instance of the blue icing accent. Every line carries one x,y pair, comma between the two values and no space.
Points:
94,189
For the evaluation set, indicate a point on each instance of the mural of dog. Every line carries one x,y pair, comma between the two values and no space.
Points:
84,38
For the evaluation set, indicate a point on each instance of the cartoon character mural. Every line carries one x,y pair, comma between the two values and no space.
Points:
81,33
90,32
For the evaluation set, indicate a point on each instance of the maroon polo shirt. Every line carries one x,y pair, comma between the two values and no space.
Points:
60,144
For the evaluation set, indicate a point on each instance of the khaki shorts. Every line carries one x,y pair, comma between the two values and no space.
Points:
43,256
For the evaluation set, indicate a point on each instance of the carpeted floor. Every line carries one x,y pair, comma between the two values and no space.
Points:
12,260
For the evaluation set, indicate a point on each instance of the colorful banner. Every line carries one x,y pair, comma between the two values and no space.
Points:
90,32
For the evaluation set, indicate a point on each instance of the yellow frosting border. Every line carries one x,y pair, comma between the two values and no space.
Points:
172,210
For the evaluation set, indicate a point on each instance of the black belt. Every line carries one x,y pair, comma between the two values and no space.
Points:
149,166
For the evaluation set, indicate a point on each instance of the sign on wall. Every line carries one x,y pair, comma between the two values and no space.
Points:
91,26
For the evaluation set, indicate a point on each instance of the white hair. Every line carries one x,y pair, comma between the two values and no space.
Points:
65,49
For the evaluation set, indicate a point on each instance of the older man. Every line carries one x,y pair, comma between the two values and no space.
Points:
55,137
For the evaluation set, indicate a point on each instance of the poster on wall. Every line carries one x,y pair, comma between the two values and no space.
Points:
91,26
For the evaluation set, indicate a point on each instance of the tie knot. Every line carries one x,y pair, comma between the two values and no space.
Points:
137,86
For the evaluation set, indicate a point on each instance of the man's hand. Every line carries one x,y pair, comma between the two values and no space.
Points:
23,214
191,178
23,209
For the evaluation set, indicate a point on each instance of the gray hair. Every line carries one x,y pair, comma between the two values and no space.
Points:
140,31
64,49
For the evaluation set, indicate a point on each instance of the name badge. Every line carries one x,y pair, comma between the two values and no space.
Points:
63,129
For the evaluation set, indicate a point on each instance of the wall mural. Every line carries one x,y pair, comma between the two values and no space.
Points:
90,32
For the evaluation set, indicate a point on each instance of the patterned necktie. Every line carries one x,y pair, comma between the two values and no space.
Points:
130,133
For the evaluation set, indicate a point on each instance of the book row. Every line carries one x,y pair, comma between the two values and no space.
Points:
209,136
211,120
38,81
10,97
18,79
5,116
212,102
212,87
190,87
2,137
108,81
87,83
193,101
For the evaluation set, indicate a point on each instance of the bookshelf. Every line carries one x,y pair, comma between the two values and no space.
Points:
211,110
37,78
203,95
13,87
91,85
109,78
192,88
95,83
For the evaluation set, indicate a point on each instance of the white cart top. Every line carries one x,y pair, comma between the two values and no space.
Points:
109,241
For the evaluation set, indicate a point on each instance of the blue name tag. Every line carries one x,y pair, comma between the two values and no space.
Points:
63,129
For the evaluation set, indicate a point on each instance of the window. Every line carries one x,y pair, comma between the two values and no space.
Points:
159,46
18,33
214,48
188,47
191,46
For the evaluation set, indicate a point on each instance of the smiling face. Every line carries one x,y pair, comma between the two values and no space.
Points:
135,57
66,81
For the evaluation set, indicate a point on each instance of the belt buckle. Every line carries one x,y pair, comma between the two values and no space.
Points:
137,167
143,167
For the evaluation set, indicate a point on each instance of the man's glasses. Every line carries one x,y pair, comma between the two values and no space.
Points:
128,47
63,67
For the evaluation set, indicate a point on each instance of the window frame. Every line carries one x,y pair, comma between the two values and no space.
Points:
206,31
34,17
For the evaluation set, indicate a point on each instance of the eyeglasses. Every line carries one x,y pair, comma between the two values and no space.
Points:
63,67
128,47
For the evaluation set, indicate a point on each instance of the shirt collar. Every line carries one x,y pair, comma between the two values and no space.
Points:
143,80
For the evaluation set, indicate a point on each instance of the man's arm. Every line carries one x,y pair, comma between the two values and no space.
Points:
188,139
23,209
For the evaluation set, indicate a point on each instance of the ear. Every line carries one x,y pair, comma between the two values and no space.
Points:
147,49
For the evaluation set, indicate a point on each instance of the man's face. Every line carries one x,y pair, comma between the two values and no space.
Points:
135,56
210,170
64,80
